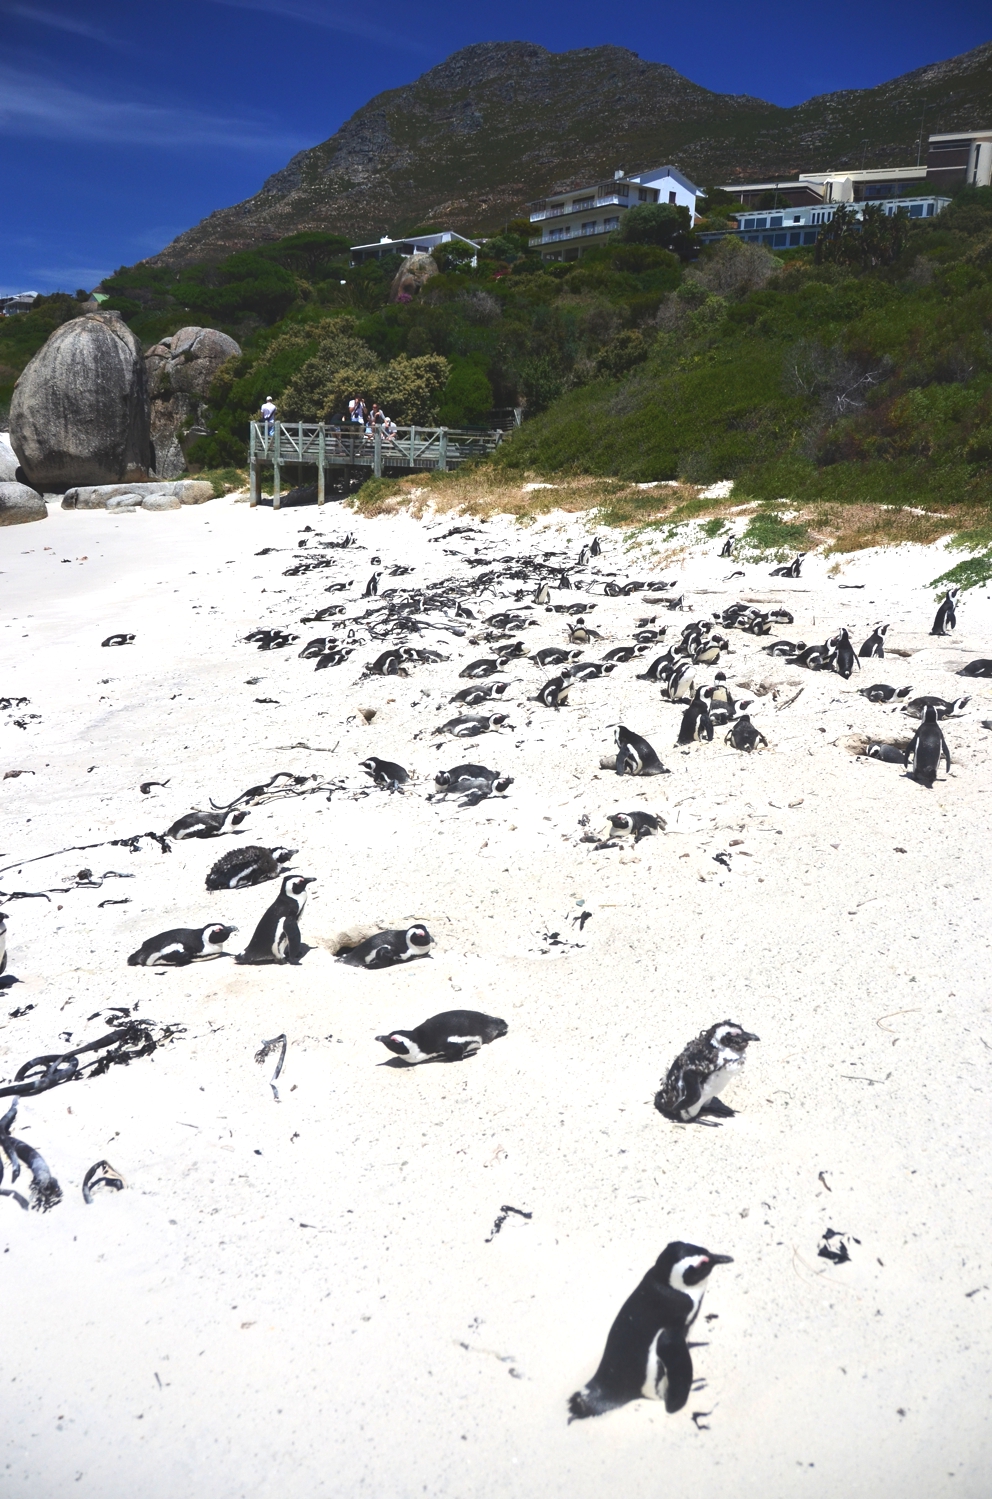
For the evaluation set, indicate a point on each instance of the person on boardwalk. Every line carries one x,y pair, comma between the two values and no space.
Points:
356,409
269,409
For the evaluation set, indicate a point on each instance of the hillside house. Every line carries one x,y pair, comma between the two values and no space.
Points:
963,159
422,244
572,221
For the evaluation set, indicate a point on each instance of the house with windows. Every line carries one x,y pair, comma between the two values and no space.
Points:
417,244
961,159
21,301
789,227
567,223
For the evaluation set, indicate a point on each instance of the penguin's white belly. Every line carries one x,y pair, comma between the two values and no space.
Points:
655,1375
718,1080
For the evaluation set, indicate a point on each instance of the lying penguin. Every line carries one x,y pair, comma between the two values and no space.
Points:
181,946
449,1037
386,949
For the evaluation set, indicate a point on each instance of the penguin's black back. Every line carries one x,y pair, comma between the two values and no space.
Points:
239,867
652,1308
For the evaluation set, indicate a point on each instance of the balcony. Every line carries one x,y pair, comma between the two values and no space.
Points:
580,205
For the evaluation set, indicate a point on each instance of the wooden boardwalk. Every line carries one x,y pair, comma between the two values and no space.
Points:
320,446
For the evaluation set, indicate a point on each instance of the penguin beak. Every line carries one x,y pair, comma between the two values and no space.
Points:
721,1259
749,1036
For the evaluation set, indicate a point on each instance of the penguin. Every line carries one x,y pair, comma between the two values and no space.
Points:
785,648
844,658
553,655
946,619
204,824
554,693
315,647
875,644
653,673
641,824
471,780
484,668
622,654
889,753
462,611
635,757
701,1071
727,550
564,581
335,657
3,942
389,664
583,557
744,736
722,707
594,547
449,1037
681,686
543,594
647,1354
917,706
372,586
791,570
480,693
581,634
276,939
696,722
589,671
979,668
386,949
181,946
468,725
708,654
248,865
120,639
385,773
781,617
881,692
925,751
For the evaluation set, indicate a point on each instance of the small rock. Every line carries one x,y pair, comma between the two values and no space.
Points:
19,503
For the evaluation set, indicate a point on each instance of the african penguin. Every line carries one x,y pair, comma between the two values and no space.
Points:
250,865
372,586
635,757
881,692
385,949
979,668
471,780
468,725
594,547
925,751
481,692
553,655
875,644
721,702
646,1354
696,722
385,773
744,736
844,658
276,939
701,1071
484,668
554,693
918,706
887,752
204,824
641,824
449,1037
3,942
727,550
946,619
181,946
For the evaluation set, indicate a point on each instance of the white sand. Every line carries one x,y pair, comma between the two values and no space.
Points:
298,1299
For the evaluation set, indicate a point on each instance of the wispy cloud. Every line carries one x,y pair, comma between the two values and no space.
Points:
59,22
33,105
383,33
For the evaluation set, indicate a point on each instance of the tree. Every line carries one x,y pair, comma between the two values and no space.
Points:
874,239
664,224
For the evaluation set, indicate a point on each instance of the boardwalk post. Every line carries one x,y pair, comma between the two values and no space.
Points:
252,470
320,463
442,449
413,439
276,493
377,453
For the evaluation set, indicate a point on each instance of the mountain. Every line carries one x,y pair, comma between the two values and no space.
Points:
494,125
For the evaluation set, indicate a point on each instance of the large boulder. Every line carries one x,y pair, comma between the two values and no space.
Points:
180,371
414,272
110,496
79,414
18,504
8,460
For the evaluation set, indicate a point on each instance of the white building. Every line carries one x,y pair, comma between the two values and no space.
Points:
585,213
423,244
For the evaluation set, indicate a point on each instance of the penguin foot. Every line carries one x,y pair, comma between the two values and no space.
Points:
719,1108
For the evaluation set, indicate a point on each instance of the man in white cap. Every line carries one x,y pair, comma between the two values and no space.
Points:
269,409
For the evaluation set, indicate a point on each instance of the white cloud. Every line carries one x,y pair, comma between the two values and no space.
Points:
384,33
59,22
33,105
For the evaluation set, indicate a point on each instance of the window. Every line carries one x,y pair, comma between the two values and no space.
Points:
809,237
780,239
611,223
642,195
797,218
671,197
760,223
589,228
916,210
748,224
582,203
775,223
623,191
795,237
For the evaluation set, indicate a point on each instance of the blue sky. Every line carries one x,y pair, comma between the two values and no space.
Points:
125,121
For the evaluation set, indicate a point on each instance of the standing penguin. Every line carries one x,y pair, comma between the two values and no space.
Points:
635,757
696,722
727,550
946,619
875,644
647,1355
925,750
844,659
372,586
543,594
595,548
276,939
701,1071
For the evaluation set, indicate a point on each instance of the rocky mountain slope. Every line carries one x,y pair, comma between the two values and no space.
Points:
496,124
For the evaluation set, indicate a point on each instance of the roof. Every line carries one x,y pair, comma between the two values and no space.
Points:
431,241
639,179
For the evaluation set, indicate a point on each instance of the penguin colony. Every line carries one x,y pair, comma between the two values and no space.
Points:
646,1352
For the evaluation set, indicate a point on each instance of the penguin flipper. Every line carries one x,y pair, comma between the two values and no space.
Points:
718,1107
675,1367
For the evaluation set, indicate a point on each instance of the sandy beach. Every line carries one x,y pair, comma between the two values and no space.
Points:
303,1298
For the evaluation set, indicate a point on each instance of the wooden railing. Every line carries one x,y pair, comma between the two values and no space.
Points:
340,446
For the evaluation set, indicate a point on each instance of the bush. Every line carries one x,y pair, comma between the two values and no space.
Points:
664,224
467,397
